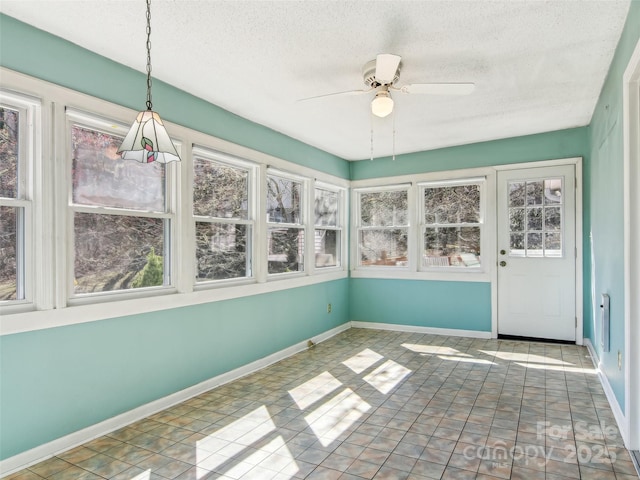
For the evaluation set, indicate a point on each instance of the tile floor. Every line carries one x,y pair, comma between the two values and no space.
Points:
370,404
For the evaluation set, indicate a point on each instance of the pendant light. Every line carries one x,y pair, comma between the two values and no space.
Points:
148,140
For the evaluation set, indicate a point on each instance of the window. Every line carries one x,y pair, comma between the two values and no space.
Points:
535,218
17,135
328,230
13,202
119,212
382,227
451,224
285,224
222,209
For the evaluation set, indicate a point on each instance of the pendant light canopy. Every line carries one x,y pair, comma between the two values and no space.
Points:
148,140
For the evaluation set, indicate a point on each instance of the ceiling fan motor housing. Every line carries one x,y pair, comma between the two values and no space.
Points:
369,74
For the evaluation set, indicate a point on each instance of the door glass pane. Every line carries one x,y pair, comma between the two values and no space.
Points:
101,177
516,194
536,229
534,193
9,152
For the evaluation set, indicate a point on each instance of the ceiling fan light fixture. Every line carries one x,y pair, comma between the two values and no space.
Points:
382,104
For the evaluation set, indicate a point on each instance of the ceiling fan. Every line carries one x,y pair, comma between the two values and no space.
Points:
382,74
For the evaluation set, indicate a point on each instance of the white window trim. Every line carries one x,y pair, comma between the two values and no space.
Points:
413,183
30,138
422,225
305,219
89,120
340,224
252,207
380,271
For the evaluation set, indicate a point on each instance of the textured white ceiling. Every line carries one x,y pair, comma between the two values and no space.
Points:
538,65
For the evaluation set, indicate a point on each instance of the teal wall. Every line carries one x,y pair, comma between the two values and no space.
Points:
456,305
41,55
56,381
606,222
530,148
60,380
450,299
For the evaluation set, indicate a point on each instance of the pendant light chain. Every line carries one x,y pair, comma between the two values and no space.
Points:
149,105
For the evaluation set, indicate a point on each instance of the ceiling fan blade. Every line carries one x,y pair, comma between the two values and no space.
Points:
386,67
439,88
337,94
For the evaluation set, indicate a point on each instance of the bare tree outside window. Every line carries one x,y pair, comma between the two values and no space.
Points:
9,251
223,223
285,230
116,249
327,232
383,228
451,226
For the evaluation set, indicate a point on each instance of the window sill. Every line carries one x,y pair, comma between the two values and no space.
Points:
37,320
400,273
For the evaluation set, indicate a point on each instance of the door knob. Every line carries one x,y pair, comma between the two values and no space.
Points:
503,263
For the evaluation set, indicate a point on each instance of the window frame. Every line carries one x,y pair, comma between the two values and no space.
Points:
252,170
341,215
423,225
30,289
358,227
303,225
97,122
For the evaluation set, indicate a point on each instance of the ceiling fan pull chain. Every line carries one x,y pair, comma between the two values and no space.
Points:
371,122
393,145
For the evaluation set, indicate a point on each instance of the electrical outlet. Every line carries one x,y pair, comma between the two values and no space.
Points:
328,308
619,360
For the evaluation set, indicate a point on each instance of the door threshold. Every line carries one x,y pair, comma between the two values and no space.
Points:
635,456
535,339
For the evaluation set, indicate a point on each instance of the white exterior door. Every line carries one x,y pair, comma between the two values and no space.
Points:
537,253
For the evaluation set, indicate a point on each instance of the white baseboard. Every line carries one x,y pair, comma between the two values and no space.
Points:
453,332
608,391
42,452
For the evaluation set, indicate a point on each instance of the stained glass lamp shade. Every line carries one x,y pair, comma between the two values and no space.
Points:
148,140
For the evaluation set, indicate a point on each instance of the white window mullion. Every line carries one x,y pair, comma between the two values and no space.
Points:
261,249
308,219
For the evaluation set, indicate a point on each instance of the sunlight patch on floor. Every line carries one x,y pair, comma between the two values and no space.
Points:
558,368
387,376
524,357
313,390
334,417
431,349
466,359
363,360
223,444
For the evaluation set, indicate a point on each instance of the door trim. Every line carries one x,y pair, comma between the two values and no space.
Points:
577,162
631,135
